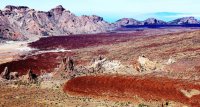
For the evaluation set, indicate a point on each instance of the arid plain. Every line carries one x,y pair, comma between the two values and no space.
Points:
150,67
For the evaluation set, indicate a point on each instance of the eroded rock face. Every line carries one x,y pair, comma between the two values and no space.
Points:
21,22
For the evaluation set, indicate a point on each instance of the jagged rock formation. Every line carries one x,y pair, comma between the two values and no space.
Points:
6,74
97,64
67,64
184,20
70,64
31,76
21,22
66,69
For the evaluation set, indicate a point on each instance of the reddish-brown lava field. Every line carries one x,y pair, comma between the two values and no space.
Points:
168,83
87,40
82,41
148,88
48,61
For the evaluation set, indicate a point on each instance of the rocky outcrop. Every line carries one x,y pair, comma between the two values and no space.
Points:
145,65
70,64
6,74
184,20
31,76
21,22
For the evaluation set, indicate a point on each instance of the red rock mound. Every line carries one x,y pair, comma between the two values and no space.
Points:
148,88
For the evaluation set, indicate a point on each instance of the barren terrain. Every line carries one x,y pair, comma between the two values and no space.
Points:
171,76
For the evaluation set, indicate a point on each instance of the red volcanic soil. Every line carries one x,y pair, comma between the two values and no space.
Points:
87,40
42,62
148,88
48,61
82,41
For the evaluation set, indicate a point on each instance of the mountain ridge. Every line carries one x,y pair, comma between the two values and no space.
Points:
22,23
16,22
153,21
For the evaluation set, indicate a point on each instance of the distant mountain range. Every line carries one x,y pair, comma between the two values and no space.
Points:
128,22
21,23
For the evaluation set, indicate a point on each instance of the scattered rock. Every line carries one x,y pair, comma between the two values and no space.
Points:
190,93
6,74
14,75
31,76
146,64
171,61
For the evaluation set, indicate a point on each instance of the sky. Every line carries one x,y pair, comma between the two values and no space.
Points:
112,10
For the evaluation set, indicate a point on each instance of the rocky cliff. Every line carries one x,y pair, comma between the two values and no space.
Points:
21,22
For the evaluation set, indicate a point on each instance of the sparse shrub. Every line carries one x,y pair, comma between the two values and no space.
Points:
142,105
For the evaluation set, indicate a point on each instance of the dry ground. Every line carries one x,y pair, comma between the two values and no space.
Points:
183,47
31,96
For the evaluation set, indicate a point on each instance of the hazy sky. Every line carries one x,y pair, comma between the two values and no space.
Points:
113,10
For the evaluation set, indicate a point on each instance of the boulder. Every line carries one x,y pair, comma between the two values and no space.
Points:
13,75
146,64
